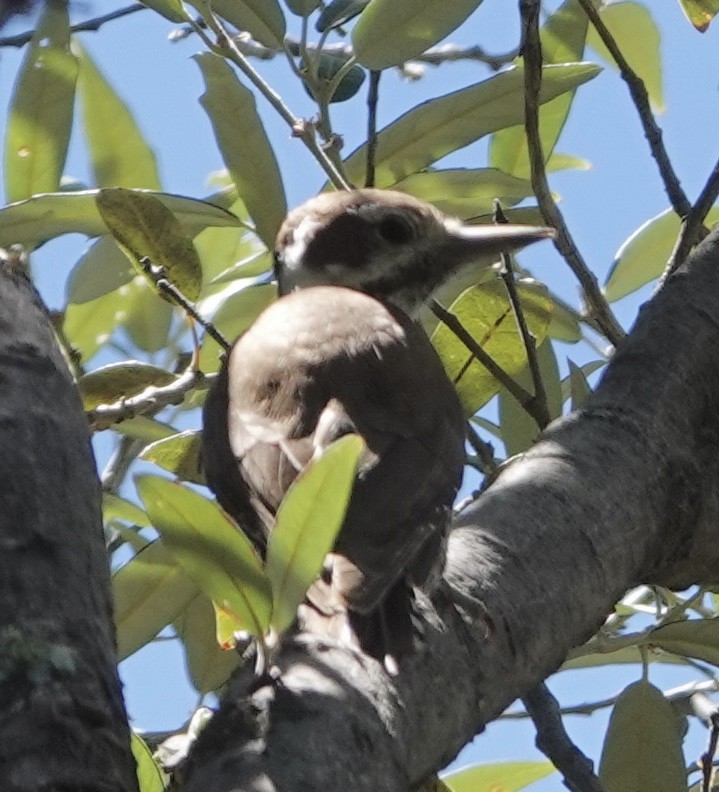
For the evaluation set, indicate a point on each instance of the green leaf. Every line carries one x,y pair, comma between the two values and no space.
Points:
179,454
504,776
562,37
101,269
150,777
564,325
146,319
89,326
144,226
486,313
115,381
208,665
44,217
262,19
41,109
244,146
233,317
636,34
328,66
143,428
119,154
149,592
389,33
466,192
440,126
302,7
211,549
337,12
696,638
170,9
700,12
250,267
643,747
519,430
578,386
624,656
308,521
644,255
116,508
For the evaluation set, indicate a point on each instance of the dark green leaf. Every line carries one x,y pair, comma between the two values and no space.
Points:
145,227
643,746
389,33
179,454
302,7
337,12
46,216
119,154
327,67
308,521
115,381
211,549
440,126
486,313
41,109
244,146
149,592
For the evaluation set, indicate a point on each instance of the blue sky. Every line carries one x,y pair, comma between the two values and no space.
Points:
602,205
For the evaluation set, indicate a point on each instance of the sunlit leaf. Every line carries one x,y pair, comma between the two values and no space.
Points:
89,326
150,777
504,776
147,319
486,313
307,524
244,146
635,32
643,746
389,33
145,227
41,110
562,38
119,154
179,454
119,380
208,665
143,428
700,12
117,508
211,549
263,19
519,429
46,216
466,192
644,255
440,126
170,9
149,592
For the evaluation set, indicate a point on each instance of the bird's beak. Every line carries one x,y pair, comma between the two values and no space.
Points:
469,244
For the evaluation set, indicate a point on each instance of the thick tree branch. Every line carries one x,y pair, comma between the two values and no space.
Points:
619,493
63,724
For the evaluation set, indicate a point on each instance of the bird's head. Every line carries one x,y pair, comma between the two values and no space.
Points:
387,244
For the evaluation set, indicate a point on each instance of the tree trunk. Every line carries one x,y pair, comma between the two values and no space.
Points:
619,493
62,720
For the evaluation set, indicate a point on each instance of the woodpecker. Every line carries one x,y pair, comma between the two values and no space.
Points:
340,352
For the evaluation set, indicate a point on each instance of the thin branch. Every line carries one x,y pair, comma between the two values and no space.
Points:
693,229
484,451
372,99
652,132
553,741
528,339
597,307
21,39
525,399
157,275
119,463
148,402
706,710
227,47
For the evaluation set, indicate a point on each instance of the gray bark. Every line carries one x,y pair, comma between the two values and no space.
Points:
62,720
620,493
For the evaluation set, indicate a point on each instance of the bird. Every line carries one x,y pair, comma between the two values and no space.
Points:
340,351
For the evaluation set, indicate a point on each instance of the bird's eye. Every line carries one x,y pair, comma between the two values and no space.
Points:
395,230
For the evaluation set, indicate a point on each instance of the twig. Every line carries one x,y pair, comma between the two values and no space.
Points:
157,276
484,450
706,710
372,99
525,399
553,741
119,463
21,39
227,47
528,339
693,229
652,132
597,306
148,402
